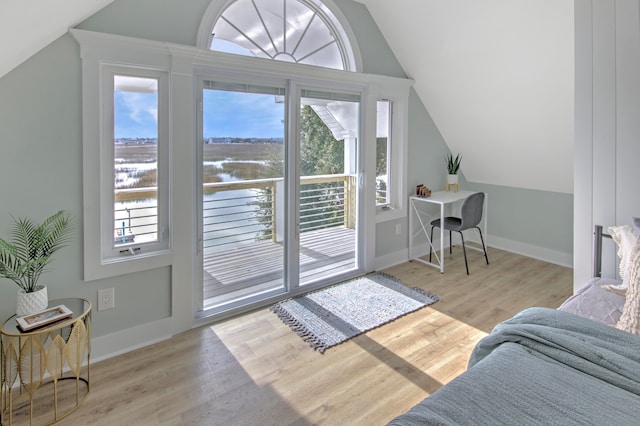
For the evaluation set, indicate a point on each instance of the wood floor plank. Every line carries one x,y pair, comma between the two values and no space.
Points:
253,370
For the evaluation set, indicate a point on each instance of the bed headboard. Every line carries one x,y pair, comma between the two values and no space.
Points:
598,235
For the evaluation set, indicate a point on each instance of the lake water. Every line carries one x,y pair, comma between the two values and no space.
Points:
228,216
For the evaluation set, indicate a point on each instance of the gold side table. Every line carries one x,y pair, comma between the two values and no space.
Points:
45,371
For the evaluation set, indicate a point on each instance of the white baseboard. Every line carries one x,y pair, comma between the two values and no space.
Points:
124,341
392,259
535,252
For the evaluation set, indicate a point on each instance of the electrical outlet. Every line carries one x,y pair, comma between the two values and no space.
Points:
106,299
398,228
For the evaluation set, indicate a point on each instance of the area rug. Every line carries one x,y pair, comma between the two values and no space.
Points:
330,316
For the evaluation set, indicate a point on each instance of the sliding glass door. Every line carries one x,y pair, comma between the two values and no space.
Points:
278,192
242,172
328,190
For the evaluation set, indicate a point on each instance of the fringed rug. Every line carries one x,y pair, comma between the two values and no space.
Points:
327,317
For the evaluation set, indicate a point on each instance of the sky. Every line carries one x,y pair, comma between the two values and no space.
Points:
242,114
135,115
226,114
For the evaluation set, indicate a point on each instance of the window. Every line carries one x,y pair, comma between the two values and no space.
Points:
126,173
383,154
390,157
299,31
135,165
135,199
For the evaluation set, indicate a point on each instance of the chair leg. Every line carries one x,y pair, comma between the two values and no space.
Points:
464,250
430,243
450,244
483,246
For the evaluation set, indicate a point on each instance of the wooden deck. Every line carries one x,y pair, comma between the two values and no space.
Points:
251,268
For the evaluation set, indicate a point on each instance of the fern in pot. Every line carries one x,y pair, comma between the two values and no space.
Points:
26,255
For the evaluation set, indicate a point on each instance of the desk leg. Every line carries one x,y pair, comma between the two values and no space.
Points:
411,213
414,214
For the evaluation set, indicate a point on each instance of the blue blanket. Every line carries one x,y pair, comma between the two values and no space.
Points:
542,366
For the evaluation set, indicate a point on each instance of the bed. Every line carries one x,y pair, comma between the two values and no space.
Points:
595,300
546,366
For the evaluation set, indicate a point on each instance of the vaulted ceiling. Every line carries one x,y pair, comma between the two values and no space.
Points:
495,75
28,26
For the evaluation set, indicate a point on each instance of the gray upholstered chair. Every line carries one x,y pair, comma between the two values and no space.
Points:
470,216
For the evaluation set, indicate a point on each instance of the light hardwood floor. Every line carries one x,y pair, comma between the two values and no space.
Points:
253,370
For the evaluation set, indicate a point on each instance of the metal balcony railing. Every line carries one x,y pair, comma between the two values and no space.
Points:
241,212
246,211
135,216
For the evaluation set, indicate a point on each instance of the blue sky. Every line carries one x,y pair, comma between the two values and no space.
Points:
135,115
226,114
243,115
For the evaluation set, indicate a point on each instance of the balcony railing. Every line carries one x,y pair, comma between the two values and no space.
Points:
135,216
246,211
241,212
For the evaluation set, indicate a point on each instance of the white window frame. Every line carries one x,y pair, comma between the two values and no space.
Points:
389,145
327,8
398,97
111,253
101,258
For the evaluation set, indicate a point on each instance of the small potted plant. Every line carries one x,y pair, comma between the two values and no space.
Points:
24,258
453,165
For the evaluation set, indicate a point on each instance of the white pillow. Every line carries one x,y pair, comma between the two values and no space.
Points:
630,318
628,243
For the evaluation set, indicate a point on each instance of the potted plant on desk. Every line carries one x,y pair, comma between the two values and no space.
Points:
24,258
453,165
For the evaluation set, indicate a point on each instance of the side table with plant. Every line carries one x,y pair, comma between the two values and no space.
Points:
26,255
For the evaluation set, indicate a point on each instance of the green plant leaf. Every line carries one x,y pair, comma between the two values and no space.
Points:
453,164
25,257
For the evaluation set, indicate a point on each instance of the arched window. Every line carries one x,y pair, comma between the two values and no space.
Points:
300,31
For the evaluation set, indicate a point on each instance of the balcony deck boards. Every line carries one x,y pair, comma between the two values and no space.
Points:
259,265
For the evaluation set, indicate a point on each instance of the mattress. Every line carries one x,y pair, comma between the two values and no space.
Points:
594,302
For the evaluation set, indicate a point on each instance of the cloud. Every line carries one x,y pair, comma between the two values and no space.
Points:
136,114
141,106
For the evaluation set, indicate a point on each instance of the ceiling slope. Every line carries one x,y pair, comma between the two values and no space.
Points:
497,77
26,26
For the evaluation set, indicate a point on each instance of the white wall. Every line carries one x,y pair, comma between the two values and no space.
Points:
607,126
497,78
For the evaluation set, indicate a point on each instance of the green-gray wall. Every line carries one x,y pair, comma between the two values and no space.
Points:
41,159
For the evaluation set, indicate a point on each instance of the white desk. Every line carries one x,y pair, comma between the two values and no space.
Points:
443,199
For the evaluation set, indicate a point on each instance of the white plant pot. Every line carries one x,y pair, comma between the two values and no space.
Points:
30,303
452,179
